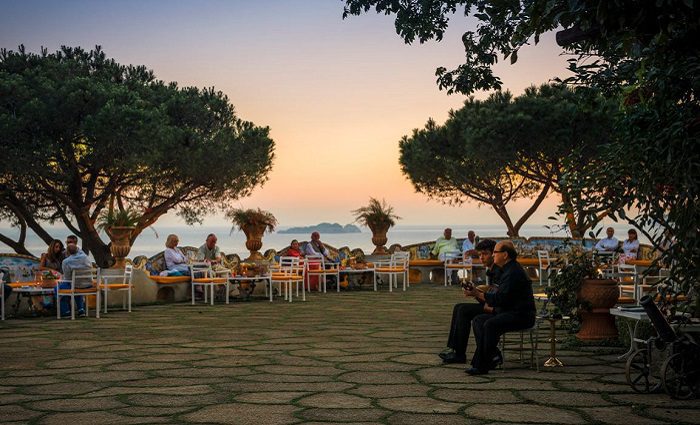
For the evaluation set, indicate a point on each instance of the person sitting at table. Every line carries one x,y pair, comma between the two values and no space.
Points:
316,247
294,250
463,313
608,244
175,260
469,244
630,247
53,258
514,306
445,245
209,252
76,260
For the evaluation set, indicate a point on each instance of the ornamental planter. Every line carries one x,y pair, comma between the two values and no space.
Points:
254,234
598,323
379,238
121,244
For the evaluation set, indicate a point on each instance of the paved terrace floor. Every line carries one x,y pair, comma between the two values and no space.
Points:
357,357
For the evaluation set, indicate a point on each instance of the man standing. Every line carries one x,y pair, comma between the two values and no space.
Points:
209,252
608,244
469,244
76,260
463,313
514,305
445,244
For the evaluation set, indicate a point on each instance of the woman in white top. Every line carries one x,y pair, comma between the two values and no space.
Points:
630,247
175,260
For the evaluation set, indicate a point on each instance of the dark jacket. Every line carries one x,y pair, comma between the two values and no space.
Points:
514,291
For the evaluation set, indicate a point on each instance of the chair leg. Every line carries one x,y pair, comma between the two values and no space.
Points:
192,293
58,306
97,305
105,291
72,307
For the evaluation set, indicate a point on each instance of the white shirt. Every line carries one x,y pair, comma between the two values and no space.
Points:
467,245
607,244
631,248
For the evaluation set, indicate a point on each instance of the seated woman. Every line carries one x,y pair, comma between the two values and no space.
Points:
175,260
630,247
294,249
53,257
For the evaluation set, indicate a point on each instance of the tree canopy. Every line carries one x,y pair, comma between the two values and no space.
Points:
643,53
82,132
501,149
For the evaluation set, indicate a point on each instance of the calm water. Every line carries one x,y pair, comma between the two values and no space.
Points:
148,244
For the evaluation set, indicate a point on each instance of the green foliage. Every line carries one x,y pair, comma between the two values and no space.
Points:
645,53
83,130
118,218
575,266
376,213
245,217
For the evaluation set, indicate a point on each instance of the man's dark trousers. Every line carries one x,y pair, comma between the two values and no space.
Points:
488,329
462,315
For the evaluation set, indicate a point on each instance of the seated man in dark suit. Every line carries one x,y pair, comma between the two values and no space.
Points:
514,305
463,313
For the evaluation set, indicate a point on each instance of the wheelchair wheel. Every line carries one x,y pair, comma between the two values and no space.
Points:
681,377
643,371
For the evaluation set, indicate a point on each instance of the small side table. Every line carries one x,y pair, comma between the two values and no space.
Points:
553,361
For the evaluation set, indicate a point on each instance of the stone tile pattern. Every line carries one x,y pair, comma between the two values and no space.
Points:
354,357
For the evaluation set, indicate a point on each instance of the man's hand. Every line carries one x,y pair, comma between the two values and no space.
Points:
488,308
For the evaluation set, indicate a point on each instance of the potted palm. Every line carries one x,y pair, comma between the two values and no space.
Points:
579,291
118,224
253,222
379,217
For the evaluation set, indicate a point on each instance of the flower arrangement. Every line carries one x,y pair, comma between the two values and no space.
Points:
50,275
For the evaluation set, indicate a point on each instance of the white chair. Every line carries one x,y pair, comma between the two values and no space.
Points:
316,266
395,267
290,271
627,280
202,275
117,280
457,262
545,267
78,288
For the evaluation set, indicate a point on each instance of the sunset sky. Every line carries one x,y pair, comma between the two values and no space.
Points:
337,94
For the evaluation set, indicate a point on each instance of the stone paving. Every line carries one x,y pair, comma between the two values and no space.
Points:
355,357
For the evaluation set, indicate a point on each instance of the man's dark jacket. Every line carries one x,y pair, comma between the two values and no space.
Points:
514,291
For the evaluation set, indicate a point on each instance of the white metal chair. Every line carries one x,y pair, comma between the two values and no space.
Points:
316,266
545,267
395,267
202,275
457,262
290,271
78,288
117,280
627,278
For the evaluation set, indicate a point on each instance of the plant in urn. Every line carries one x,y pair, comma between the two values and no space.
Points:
253,222
119,225
379,217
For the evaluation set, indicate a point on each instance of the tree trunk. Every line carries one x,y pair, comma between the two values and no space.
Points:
503,213
540,198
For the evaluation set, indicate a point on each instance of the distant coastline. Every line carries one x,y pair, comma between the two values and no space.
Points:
323,228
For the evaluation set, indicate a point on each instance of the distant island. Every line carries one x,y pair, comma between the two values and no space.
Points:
323,228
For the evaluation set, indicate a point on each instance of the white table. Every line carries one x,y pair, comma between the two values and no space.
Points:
30,291
637,314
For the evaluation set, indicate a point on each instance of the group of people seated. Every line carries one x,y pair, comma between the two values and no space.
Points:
628,250
505,304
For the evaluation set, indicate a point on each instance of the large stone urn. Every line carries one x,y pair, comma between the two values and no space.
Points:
254,234
379,238
120,236
598,323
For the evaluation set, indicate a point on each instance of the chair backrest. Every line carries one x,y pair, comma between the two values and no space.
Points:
128,273
82,278
543,258
290,265
400,259
200,270
627,273
315,259
467,259
452,257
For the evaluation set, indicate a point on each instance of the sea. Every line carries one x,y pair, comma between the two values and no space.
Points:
152,240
